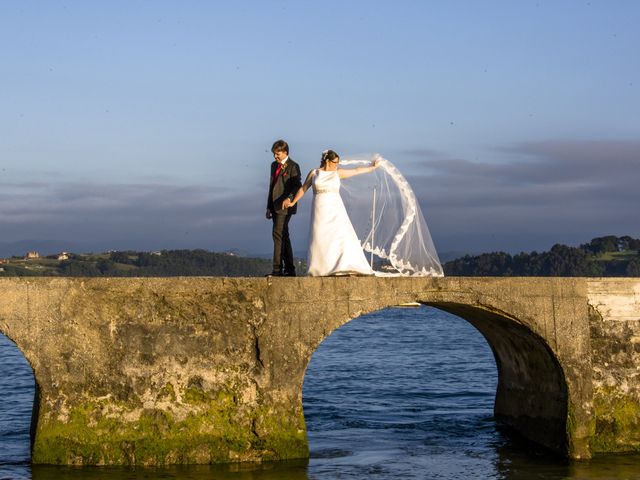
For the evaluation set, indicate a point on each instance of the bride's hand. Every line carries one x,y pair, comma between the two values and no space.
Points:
287,203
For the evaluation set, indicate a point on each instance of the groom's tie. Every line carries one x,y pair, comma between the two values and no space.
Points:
275,175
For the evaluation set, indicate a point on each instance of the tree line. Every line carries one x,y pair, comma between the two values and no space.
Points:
166,263
602,256
172,263
608,256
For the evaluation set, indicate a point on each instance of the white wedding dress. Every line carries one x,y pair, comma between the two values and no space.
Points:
334,248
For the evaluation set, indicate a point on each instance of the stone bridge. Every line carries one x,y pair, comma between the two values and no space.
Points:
201,370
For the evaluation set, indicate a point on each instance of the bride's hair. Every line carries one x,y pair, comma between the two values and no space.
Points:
328,156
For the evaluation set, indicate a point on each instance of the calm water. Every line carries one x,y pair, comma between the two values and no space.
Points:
403,393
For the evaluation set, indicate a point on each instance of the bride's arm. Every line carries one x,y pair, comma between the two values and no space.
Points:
305,186
352,172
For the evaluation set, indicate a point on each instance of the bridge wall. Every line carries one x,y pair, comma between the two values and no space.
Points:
614,314
200,370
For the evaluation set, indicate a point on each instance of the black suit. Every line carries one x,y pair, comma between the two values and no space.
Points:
284,186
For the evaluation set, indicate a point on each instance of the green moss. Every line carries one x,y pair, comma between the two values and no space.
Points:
167,392
194,396
617,422
579,432
216,431
286,438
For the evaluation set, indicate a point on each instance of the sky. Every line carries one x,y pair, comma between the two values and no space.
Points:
147,125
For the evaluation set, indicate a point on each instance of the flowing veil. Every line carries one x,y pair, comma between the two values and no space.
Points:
388,220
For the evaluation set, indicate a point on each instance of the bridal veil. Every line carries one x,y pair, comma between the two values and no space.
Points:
388,220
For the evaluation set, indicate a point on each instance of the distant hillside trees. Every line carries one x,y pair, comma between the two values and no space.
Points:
166,263
611,243
603,256
189,262
608,256
633,268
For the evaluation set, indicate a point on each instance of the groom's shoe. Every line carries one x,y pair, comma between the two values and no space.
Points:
289,274
275,273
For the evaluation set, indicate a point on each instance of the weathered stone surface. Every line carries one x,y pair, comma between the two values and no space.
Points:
202,370
615,336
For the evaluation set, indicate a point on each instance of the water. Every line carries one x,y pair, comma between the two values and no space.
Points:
16,401
402,393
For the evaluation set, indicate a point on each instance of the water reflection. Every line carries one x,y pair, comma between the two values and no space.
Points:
290,470
523,466
510,465
610,466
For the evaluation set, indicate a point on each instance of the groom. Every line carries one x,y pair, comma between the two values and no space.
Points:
284,183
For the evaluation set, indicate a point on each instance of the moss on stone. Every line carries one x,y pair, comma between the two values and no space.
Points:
579,432
286,437
570,428
617,422
167,392
194,396
216,431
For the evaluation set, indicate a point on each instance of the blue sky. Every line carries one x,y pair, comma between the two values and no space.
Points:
147,124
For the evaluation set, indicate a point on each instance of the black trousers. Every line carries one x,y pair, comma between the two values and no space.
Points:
282,252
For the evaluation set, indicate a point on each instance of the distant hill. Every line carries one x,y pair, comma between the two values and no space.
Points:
608,256
164,263
602,256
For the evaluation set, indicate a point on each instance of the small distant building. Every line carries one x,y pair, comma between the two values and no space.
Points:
63,256
31,255
157,254
623,245
3,261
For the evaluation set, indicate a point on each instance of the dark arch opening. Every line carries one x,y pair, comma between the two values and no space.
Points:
531,396
18,408
494,364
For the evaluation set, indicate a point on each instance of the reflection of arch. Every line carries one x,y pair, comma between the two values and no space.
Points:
532,391
13,359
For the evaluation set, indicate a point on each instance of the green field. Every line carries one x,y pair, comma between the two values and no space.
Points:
617,256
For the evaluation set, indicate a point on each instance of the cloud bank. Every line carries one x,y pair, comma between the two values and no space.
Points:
137,216
545,192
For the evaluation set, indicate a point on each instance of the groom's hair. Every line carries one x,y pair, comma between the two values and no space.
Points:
280,146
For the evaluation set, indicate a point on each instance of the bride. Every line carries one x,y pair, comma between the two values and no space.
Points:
380,215
334,248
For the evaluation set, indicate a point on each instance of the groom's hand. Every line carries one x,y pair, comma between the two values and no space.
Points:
268,214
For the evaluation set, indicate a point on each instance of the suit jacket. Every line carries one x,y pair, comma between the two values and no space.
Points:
285,186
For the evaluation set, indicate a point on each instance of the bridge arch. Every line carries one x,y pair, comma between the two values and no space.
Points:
532,393
120,353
